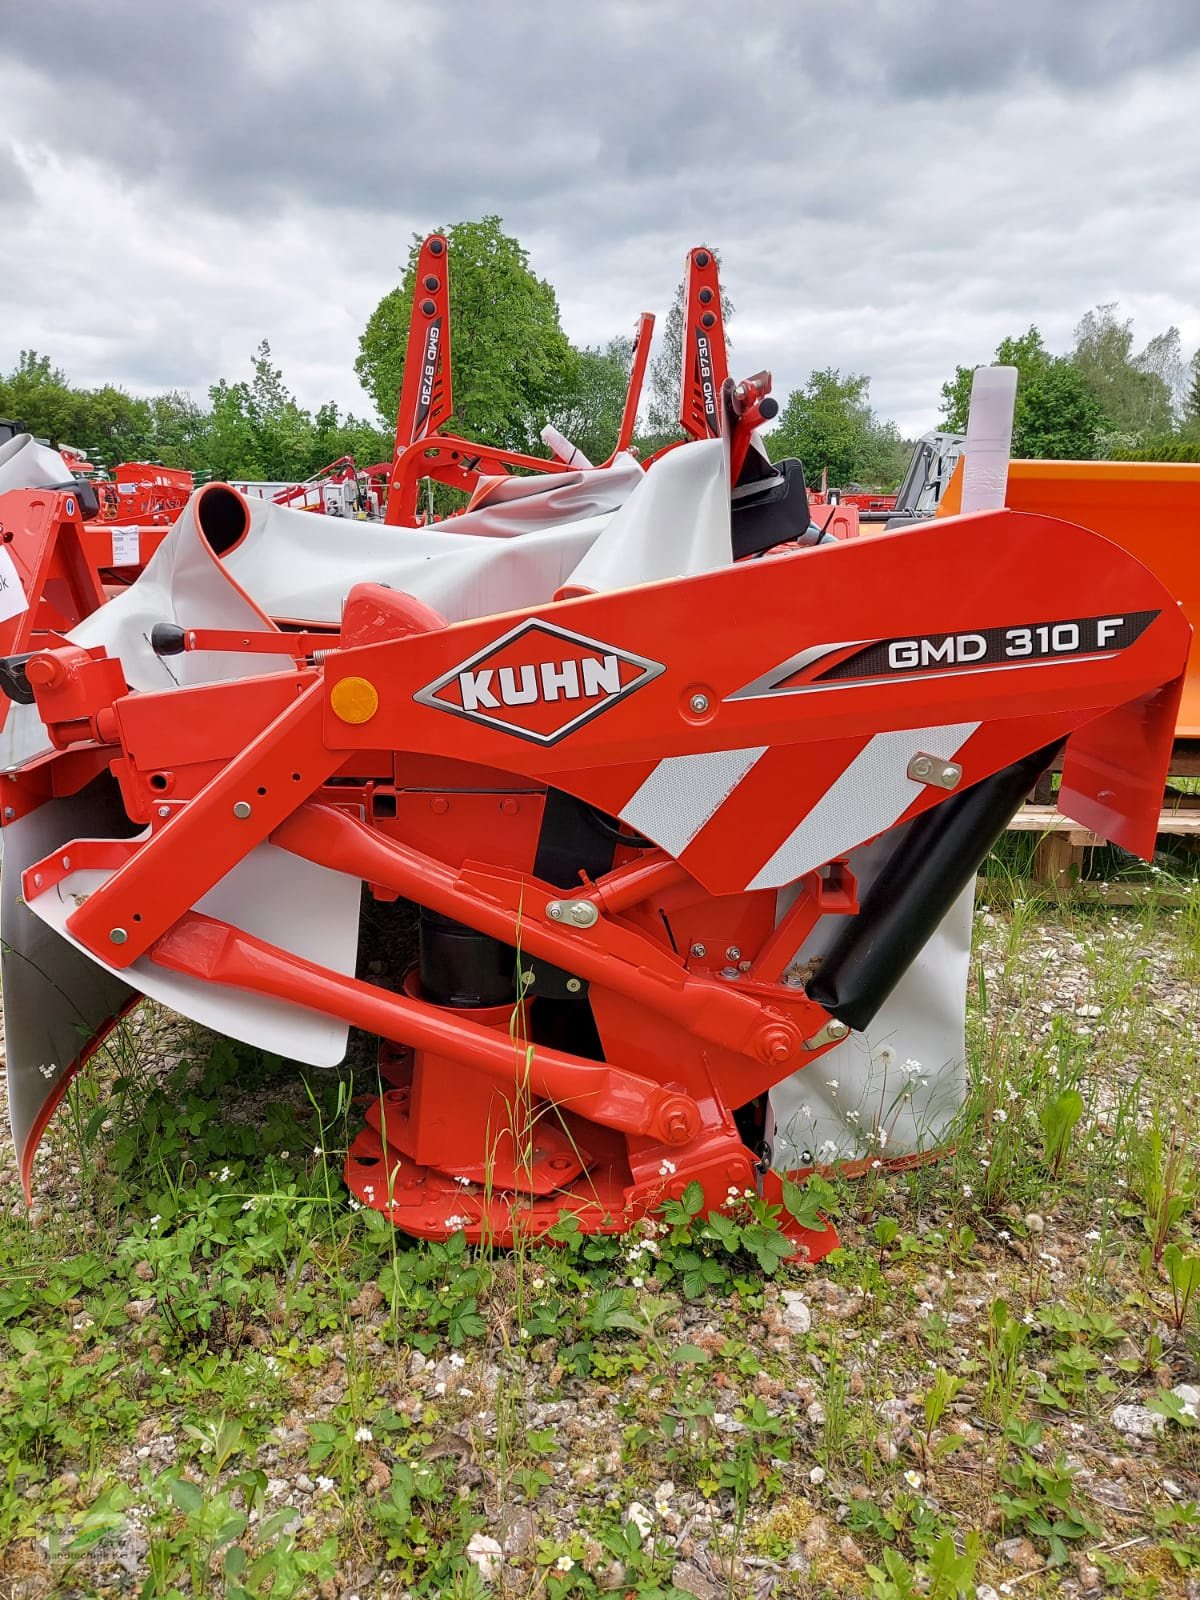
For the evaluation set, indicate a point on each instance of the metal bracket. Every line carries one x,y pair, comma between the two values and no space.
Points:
580,913
934,771
829,1034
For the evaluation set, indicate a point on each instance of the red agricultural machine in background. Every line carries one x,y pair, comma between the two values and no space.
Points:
634,815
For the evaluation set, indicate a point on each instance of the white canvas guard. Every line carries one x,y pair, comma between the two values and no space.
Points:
25,464
905,1077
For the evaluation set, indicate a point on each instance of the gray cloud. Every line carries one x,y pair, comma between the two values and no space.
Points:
894,186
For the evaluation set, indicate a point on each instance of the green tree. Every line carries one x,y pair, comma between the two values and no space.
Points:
512,361
180,428
1057,416
1134,392
1191,402
830,425
589,413
107,423
257,430
38,395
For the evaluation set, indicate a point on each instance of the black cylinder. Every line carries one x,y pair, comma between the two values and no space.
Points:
934,861
461,967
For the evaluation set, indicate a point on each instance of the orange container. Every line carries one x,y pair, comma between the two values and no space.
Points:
1150,508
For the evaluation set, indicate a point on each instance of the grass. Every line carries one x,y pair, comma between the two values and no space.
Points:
218,1377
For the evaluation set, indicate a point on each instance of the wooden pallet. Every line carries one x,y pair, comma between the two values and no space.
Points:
1058,855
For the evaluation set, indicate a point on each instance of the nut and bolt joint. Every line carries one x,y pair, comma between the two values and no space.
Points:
699,951
699,704
242,809
118,935
582,913
829,1034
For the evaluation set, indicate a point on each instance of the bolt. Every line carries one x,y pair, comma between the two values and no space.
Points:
774,1045
37,880
555,911
920,767
164,811
699,951
950,776
583,913
699,703
729,972
733,953
677,1126
242,809
573,985
118,935
836,1029
9,813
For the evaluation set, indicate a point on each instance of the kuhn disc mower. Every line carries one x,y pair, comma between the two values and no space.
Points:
663,818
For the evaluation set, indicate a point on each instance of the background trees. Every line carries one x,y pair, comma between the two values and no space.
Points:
515,369
513,364
830,426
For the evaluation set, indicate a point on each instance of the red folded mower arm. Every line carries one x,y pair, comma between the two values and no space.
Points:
734,734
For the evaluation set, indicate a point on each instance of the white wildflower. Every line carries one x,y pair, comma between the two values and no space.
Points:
457,1360
224,1175
363,1436
155,1220
464,1183
638,1283
248,1205
323,1483
967,1191
667,1168
538,1283
563,1564
913,1479
456,1222
999,1115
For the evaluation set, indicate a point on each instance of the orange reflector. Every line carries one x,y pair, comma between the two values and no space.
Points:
354,699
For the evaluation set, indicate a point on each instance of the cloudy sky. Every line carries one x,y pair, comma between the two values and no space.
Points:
893,184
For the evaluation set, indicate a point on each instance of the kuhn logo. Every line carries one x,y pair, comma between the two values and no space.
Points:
539,682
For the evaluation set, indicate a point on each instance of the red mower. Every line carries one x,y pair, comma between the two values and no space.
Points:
661,818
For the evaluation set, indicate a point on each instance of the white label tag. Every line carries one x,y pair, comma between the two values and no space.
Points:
12,595
127,547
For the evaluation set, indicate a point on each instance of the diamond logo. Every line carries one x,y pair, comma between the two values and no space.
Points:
539,682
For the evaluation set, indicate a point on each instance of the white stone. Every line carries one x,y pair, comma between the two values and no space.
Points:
797,1314
1139,1421
484,1553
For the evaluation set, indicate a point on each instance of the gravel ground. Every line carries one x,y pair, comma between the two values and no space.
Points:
835,1364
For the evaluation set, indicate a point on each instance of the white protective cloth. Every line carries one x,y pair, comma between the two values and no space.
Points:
25,464
905,1076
